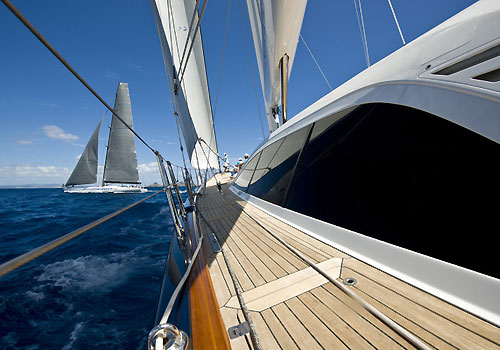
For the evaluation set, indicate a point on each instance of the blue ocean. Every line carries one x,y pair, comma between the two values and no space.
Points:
99,290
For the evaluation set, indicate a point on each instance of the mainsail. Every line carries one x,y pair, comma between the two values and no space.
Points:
275,28
191,97
121,158
85,171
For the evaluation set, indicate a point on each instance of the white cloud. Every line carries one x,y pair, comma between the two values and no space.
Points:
46,104
148,173
148,168
24,142
110,75
56,133
28,171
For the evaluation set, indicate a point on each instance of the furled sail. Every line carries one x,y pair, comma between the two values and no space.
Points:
121,158
275,28
191,97
85,171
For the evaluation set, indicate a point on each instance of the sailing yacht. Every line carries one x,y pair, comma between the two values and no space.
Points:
120,168
365,220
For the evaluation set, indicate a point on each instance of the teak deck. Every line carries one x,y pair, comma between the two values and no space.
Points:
293,307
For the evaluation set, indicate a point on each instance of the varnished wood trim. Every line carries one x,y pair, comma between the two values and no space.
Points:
207,327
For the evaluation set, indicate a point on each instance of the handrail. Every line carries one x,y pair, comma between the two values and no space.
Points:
177,290
21,260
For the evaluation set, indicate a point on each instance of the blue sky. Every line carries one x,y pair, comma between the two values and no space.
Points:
47,116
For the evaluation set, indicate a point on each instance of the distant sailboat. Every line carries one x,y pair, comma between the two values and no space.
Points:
120,167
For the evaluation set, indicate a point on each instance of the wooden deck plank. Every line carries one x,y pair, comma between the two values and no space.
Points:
313,243
230,317
253,252
276,250
419,320
294,327
238,270
228,243
263,252
323,317
225,273
266,338
310,253
438,306
316,327
279,332
334,312
288,287
220,285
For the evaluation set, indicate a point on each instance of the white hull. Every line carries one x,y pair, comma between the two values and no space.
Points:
106,189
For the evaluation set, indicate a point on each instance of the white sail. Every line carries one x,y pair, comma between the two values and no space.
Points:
191,98
121,158
275,28
85,171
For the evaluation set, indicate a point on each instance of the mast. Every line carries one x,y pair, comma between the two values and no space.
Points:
275,29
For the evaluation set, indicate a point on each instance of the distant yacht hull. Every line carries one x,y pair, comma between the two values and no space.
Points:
106,189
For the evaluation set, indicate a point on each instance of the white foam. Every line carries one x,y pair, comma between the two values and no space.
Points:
74,335
89,273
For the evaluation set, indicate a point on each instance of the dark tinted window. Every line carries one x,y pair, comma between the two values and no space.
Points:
245,175
408,178
275,169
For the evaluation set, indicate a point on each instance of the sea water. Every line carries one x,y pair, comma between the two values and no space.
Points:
99,290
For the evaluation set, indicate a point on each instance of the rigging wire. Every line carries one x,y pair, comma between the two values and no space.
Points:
39,36
397,23
361,24
251,71
189,31
316,62
197,29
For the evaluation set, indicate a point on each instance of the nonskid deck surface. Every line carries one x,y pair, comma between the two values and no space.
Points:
293,307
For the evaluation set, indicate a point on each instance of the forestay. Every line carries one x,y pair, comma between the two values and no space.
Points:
191,99
85,171
121,158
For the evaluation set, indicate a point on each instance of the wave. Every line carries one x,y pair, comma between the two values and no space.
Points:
88,273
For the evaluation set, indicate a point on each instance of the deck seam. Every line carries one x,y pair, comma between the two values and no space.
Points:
282,252
231,230
229,250
425,307
390,336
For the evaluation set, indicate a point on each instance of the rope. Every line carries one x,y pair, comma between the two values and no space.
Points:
200,139
39,36
251,71
239,294
361,25
21,260
375,312
316,62
397,23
